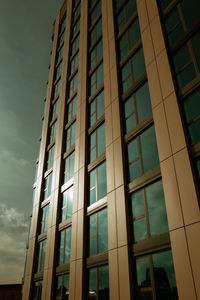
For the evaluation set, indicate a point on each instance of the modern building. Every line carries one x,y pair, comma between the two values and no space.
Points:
116,196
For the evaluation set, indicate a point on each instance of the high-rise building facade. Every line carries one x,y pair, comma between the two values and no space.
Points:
116,196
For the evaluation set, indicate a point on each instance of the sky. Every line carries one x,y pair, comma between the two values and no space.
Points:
25,45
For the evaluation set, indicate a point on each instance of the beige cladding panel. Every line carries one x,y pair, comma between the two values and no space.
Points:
183,272
193,238
114,275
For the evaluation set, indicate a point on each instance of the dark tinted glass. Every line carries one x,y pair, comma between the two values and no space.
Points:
133,70
137,107
164,277
192,112
184,67
71,109
126,13
129,39
97,142
174,26
97,108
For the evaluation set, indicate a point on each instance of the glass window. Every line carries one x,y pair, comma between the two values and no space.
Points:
96,54
73,84
196,47
71,109
61,39
52,134
98,232
126,13
75,28
41,256
45,218
75,45
96,79
192,113
70,136
159,266
129,39
65,246
165,3
54,110
149,212
74,64
37,290
95,33
62,287
95,13
98,186
67,203
133,70
137,107
97,142
118,3
69,167
47,186
59,54
142,154
76,12
97,108
62,24
174,26
50,157
98,283
56,90
184,67
198,167
58,71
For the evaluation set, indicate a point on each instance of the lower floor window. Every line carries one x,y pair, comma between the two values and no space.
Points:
62,287
155,277
98,285
37,290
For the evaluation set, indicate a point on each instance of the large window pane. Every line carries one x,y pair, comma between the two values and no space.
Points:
71,109
70,136
96,79
47,186
97,108
129,39
137,107
133,70
157,268
67,203
97,142
98,283
126,13
184,67
98,187
65,246
192,112
98,232
69,167
44,218
146,159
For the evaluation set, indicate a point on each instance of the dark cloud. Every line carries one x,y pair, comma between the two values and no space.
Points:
25,45
14,231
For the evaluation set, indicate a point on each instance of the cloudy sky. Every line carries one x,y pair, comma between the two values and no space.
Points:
25,45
